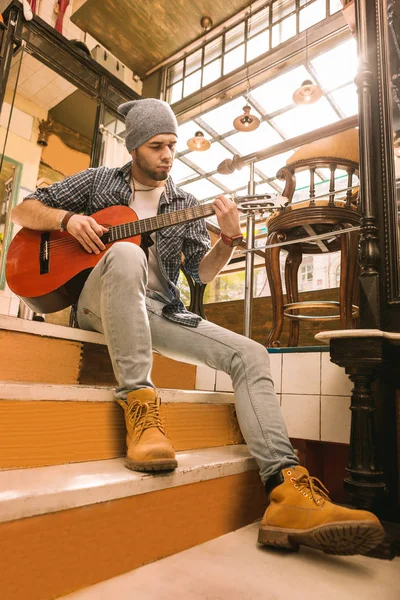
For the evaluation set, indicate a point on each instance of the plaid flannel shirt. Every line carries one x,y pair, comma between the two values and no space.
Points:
97,188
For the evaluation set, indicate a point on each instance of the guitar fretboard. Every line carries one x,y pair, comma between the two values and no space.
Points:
119,232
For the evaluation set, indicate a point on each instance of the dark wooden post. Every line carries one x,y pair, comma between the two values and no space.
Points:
362,359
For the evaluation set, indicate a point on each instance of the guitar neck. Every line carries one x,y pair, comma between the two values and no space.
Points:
119,232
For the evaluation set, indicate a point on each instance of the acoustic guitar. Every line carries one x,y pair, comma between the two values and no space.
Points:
48,269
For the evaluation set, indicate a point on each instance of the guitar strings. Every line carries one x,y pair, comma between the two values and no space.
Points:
64,243
54,244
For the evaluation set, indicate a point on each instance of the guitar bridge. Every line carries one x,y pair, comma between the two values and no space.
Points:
44,253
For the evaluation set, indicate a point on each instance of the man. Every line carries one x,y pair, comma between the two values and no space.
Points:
134,301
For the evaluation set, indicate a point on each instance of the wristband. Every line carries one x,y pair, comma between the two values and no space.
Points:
65,219
231,241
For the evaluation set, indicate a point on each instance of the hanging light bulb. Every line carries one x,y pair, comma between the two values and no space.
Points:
308,93
246,121
198,142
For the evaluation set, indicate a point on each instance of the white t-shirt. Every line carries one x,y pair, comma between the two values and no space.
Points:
144,201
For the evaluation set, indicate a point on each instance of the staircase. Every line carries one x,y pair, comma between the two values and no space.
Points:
71,514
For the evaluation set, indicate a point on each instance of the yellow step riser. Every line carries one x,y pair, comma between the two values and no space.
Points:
48,556
30,358
40,433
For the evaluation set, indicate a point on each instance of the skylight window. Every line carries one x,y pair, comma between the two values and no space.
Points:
301,119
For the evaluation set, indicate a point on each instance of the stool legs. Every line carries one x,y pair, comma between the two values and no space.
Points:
272,265
293,261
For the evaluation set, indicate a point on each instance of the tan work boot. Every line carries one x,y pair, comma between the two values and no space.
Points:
300,512
147,447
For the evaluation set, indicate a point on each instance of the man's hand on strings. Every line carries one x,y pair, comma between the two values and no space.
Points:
227,215
88,232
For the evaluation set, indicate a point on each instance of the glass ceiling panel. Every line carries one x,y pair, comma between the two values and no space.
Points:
213,50
236,180
279,184
346,99
187,131
337,66
334,71
180,171
221,118
258,45
210,159
340,175
258,21
283,31
277,94
312,14
212,71
303,180
175,73
270,166
301,195
335,5
176,92
234,37
193,62
281,8
246,142
265,188
202,189
301,119
234,59
191,83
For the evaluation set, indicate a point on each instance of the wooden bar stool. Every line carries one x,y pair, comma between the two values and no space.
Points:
311,217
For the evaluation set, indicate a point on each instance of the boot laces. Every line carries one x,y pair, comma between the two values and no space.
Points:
143,415
311,487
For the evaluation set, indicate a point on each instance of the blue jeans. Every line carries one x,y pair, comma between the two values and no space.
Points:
114,302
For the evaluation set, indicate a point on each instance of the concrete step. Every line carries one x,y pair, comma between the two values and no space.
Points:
38,352
63,528
235,567
55,424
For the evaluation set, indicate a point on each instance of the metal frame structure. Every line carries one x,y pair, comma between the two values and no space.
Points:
59,54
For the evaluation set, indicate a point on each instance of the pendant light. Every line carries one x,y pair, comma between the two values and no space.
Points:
308,92
198,142
246,121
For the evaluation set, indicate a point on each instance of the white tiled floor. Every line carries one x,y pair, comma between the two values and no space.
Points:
234,567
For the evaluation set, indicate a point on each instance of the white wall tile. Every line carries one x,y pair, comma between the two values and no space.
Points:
301,373
205,378
223,382
276,370
302,416
335,419
14,306
334,381
4,305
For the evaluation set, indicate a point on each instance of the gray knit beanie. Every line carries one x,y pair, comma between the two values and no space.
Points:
146,118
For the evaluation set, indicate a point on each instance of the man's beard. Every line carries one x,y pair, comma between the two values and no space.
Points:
152,174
